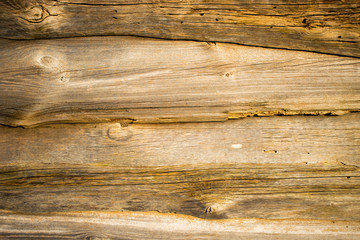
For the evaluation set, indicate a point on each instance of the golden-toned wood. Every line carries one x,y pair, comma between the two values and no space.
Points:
115,225
286,139
218,191
104,79
321,25
294,167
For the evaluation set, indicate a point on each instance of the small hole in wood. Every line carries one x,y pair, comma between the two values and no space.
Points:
271,26
348,177
304,20
181,22
115,10
274,6
339,36
217,19
114,17
201,14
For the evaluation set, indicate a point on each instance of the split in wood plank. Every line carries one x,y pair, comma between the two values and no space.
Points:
321,26
106,79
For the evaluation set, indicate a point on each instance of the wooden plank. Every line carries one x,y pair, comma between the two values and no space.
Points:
215,191
115,225
286,139
321,26
104,79
273,168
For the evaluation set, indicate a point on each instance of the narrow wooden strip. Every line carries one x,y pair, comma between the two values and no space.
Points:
321,26
86,225
278,139
104,79
217,191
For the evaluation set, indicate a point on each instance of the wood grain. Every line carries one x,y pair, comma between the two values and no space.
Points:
282,139
115,225
106,79
326,26
286,167
216,191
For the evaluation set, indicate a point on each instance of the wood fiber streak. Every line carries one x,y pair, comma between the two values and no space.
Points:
115,225
326,26
102,79
282,139
216,191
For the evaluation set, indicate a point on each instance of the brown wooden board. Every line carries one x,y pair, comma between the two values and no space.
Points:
320,26
283,139
153,225
102,79
286,167
216,191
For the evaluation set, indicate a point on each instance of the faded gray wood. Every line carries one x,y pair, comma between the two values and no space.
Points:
104,79
115,225
321,26
283,139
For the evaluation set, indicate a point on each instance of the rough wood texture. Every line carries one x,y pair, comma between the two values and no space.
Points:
220,191
144,80
107,167
286,139
85,225
327,26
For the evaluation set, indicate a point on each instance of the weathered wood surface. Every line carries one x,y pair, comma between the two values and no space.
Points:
98,79
115,225
282,139
321,26
217,191
286,167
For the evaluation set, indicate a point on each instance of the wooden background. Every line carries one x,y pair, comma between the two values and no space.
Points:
152,119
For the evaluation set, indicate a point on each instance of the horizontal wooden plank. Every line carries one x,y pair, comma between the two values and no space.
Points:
321,26
285,167
103,79
216,191
115,225
282,139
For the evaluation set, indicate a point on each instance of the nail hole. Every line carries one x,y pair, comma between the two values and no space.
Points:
181,22
114,17
115,10
274,6
63,79
217,19
348,177
271,26
201,14
304,20
339,36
